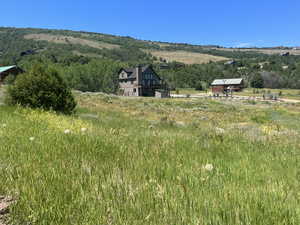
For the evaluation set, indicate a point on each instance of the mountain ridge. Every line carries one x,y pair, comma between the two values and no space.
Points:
123,48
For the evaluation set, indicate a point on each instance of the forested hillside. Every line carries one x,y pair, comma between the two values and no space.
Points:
90,61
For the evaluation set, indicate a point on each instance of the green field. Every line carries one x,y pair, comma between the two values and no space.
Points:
251,92
282,93
153,161
185,91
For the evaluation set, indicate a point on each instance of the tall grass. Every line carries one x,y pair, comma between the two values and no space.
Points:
144,161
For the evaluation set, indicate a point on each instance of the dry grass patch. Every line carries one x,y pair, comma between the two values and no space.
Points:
60,39
94,55
187,57
162,45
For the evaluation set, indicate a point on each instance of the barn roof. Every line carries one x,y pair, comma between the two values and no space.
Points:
235,81
6,68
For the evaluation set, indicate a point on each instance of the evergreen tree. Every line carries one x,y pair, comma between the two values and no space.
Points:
257,81
42,88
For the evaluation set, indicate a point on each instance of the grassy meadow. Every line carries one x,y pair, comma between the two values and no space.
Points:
292,94
153,161
186,91
282,93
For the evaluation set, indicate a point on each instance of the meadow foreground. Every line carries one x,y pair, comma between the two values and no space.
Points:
152,161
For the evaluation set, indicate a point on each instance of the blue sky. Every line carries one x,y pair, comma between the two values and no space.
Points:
234,23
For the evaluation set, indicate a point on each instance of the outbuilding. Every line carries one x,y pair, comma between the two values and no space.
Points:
162,93
224,86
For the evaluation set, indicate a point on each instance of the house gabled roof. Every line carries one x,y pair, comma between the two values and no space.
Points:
6,68
132,71
235,81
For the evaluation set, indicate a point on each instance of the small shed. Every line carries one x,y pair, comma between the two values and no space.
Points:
227,85
6,70
161,93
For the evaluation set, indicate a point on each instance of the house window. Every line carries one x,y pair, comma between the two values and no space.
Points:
134,90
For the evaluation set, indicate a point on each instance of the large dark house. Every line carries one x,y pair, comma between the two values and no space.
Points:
227,85
142,81
6,70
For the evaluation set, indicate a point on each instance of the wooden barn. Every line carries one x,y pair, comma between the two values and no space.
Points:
7,70
142,81
223,86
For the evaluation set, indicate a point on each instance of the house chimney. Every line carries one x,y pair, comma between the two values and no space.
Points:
139,74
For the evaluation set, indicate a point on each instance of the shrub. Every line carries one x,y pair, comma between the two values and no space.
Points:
252,102
42,88
257,81
201,86
260,118
10,79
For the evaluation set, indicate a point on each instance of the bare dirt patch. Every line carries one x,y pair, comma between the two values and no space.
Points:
187,57
5,203
60,39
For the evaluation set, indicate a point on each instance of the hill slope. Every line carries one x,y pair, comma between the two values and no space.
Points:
90,61
14,41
